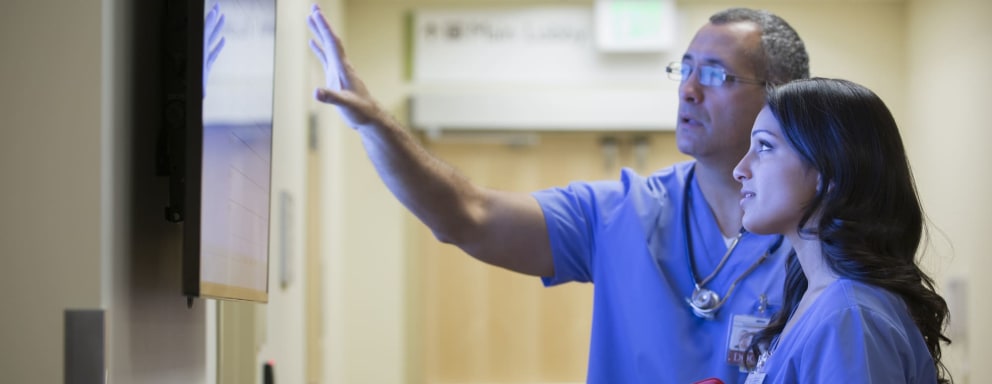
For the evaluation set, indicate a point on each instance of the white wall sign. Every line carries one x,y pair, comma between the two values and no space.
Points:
550,44
559,79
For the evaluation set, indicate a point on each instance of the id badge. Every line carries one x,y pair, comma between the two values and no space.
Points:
755,378
743,328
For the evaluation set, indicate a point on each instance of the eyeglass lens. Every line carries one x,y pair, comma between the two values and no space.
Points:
708,75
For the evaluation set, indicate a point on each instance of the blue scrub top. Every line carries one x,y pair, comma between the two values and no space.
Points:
626,237
853,333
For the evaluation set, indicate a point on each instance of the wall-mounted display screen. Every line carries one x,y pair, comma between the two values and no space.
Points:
224,155
237,148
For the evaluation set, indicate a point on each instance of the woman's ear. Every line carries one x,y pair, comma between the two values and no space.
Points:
819,184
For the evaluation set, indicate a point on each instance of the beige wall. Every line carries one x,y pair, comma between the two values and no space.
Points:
948,135
284,335
50,164
84,225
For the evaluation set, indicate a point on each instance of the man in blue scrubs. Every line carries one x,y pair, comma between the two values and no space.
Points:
677,282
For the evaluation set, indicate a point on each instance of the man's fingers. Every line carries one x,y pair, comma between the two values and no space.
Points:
322,29
328,49
313,25
317,50
331,46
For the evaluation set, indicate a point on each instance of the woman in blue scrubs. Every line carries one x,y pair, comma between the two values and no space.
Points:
827,169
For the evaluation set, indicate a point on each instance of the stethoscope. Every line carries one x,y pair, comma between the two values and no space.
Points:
704,302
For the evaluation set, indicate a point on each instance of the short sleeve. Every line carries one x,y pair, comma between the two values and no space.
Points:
858,345
573,215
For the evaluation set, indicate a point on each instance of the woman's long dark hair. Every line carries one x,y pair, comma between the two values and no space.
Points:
870,218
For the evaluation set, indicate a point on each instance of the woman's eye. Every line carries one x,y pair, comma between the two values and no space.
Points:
764,146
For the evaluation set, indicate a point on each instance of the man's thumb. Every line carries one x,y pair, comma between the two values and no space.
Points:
325,95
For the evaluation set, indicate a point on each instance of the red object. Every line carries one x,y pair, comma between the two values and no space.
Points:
711,380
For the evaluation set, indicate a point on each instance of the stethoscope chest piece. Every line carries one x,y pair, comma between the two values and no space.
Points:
704,302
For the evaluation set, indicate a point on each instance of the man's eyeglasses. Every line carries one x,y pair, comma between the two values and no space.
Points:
709,75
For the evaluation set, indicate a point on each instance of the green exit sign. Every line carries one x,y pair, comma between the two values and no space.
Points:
635,25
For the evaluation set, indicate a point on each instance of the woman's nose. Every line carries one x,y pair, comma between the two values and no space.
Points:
740,172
